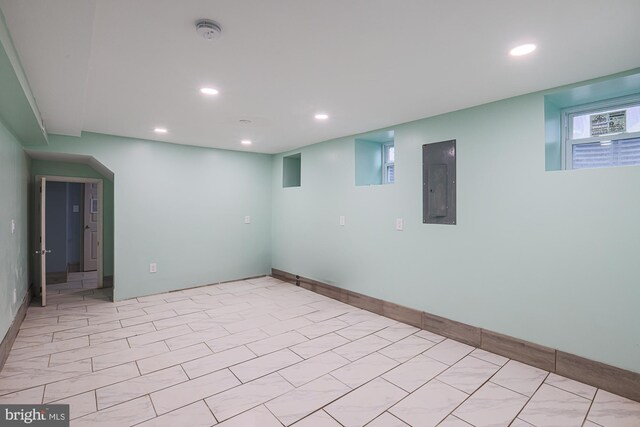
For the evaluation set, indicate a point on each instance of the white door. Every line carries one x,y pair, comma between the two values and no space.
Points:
90,253
41,252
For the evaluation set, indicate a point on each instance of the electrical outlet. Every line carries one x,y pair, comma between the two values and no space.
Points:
342,220
15,295
13,226
247,219
399,224
153,267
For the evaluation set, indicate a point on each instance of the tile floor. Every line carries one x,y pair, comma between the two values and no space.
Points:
266,353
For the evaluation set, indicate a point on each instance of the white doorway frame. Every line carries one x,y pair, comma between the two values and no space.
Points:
52,178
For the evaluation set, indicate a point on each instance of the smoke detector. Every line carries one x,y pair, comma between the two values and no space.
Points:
208,29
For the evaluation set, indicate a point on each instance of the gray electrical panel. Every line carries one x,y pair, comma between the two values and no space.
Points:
439,183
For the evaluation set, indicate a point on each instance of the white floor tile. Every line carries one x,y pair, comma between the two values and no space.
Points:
300,402
275,343
361,371
448,351
407,348
414,373
491,406
315,367
80,384
139,386
365,403
126,414
191,391
318,419
610,410
575,387
387,420
259,416
264,365
362,347
553,407
194,415
165,360
519,377
468,374
319,345
215,362
238,399
428,405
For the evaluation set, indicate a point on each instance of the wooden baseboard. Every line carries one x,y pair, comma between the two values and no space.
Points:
10,336
615,380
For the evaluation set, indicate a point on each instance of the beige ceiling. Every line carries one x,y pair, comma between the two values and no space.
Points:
123,67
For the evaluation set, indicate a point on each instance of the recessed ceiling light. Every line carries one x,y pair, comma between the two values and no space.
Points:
160,130
209,91
245,142
321,116
524,49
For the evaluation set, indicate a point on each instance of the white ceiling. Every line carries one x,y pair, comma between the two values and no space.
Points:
123,67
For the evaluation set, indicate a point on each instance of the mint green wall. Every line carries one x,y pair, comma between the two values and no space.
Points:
553,137
546,257
368,162
182,207
79,170
14,248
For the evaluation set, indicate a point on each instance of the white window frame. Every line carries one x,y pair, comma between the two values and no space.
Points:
385,163
567,125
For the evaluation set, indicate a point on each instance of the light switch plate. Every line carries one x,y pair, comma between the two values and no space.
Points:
13,226
247,219
15,295
342,220
153,267
399,224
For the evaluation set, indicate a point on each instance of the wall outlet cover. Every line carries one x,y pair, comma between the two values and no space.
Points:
13,226
342,220
15,295
247,219
153,267
399,224
76,208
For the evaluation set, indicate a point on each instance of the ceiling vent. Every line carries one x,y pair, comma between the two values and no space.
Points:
208,29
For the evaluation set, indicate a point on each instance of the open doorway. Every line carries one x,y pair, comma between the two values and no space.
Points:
69,230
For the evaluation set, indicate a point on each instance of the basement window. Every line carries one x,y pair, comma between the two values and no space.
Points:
603,134
292,171
375,158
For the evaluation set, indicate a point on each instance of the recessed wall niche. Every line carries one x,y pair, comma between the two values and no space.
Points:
375,158
292,170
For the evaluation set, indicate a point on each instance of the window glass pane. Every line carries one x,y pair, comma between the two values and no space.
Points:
581,125
391,154
390,174
623,152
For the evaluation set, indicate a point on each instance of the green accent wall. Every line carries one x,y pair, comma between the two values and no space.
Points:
79,170
181,207
14,248
546,257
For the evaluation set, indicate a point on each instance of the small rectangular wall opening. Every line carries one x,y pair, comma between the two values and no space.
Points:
375,158
292,170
